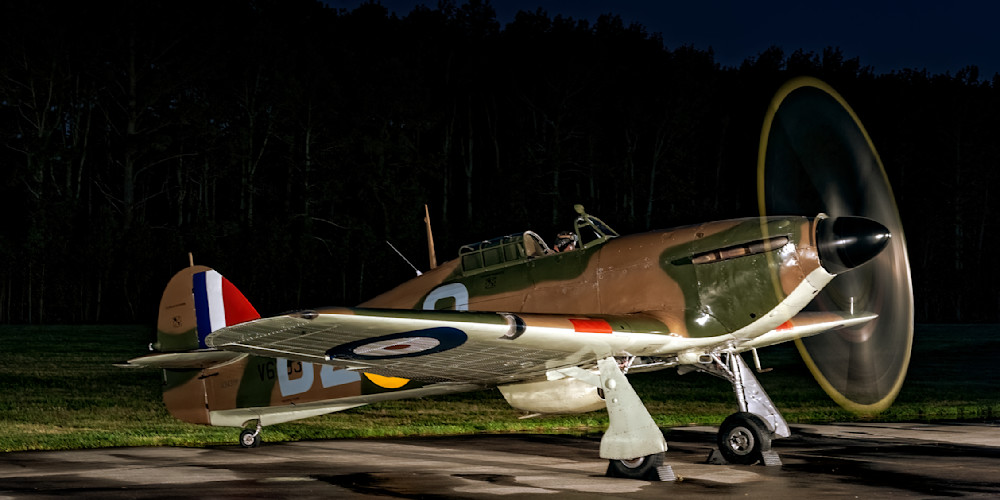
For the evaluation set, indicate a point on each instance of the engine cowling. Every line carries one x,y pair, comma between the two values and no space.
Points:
566,395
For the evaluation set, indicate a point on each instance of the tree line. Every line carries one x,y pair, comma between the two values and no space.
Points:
284,142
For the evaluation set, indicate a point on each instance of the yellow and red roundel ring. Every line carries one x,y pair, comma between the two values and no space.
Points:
816,157
401,345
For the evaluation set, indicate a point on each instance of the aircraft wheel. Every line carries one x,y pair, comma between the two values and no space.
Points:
636,468
249,438
742,439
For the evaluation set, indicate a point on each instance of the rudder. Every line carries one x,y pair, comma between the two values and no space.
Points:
196,302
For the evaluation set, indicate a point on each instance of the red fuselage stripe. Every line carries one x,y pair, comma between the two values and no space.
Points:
590,325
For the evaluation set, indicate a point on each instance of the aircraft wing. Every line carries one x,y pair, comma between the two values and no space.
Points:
806,324
482,347
451,346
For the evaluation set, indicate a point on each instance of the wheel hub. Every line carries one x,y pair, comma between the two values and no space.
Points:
633,463
741,440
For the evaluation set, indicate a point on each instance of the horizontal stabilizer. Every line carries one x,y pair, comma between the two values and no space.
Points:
202,358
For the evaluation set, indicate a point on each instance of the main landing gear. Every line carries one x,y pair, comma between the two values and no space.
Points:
250,438
636,468
633,443
745,436
648,467
743,439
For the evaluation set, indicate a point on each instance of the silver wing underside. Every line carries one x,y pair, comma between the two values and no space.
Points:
482,348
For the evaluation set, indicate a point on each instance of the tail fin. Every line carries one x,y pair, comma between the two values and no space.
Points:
197,301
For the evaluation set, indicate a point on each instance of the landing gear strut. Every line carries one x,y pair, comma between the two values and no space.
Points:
250,438
745,437
631,430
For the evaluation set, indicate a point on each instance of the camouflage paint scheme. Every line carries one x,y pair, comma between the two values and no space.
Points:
618,276
555,329
191,393
700,281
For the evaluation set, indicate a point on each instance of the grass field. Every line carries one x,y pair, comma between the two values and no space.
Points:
59,390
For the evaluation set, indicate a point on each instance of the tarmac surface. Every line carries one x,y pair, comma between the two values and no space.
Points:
843,461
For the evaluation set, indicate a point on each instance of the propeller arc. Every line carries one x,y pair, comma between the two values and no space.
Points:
816,157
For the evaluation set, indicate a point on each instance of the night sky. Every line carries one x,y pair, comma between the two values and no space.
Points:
886,35
311,138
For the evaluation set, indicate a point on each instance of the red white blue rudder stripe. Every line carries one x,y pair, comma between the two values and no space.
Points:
218,304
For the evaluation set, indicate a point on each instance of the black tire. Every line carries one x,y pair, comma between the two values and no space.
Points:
743,438
636,468
248,439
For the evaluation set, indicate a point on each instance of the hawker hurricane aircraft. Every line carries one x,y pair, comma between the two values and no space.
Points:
557,328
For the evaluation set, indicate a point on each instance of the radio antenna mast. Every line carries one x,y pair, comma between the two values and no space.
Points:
430,238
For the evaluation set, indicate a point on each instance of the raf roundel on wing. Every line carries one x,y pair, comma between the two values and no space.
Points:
401,345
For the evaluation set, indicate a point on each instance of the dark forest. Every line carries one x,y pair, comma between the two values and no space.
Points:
283,143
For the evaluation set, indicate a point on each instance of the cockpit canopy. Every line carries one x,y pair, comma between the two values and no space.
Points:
520,247
592,231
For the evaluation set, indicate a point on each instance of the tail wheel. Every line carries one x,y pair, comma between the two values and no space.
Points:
250,438
743,438
636,468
